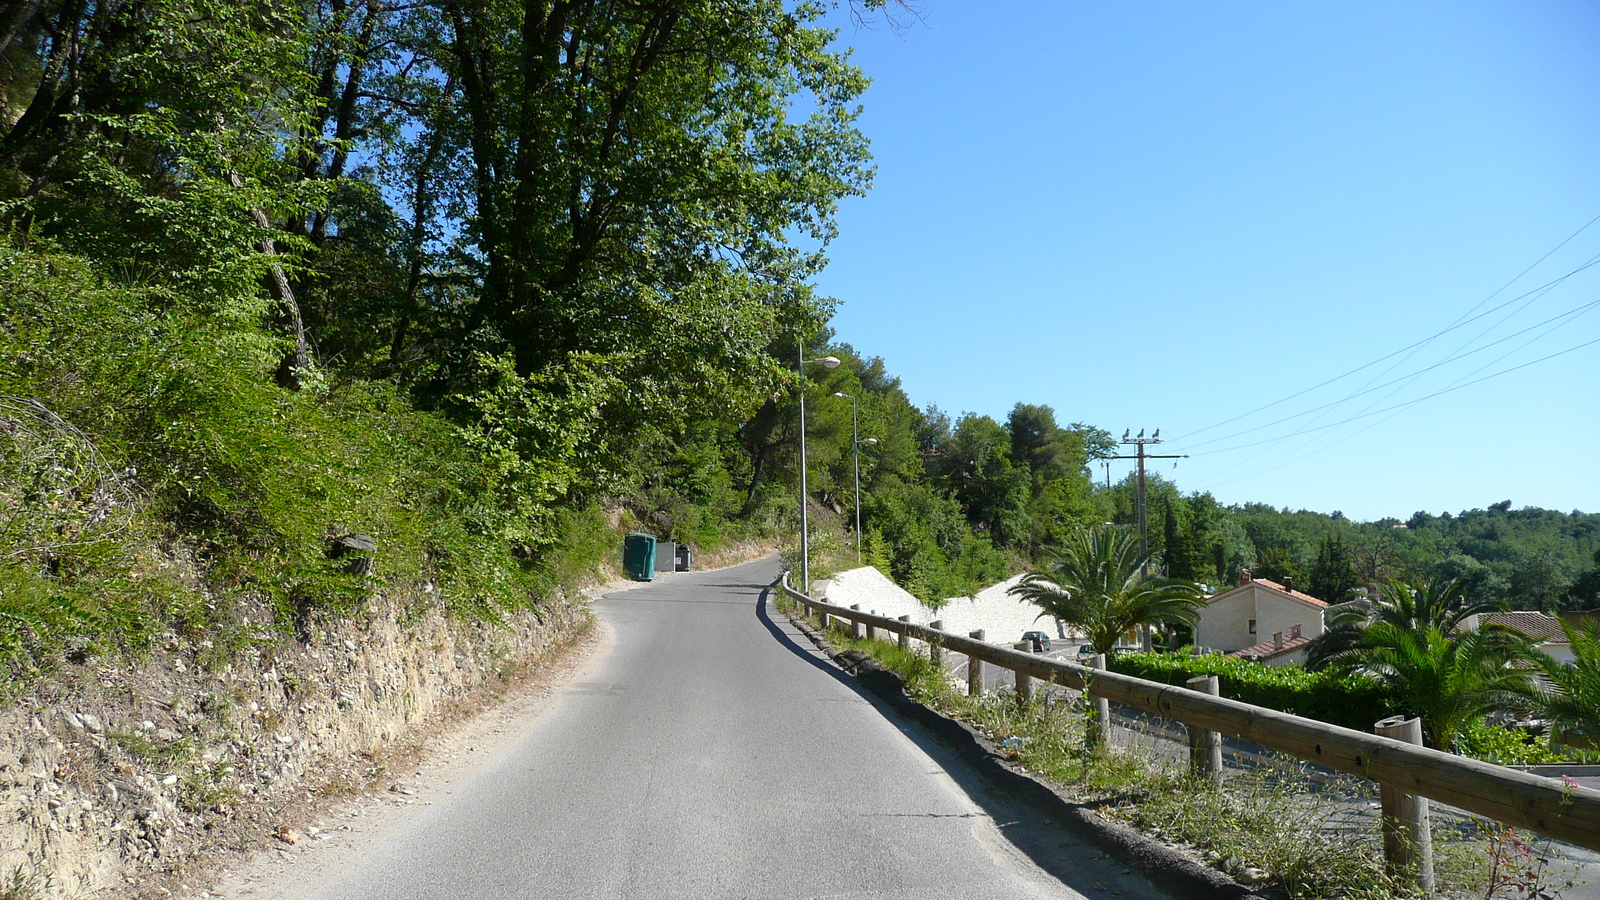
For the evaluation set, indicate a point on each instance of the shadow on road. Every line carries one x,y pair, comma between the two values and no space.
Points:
1033,830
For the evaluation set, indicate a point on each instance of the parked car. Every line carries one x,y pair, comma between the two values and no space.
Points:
1038,639
1086,652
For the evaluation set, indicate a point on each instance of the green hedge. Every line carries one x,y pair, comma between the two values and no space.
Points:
1347,701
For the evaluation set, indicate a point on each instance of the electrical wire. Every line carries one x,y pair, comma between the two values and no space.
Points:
1455,357
1410,403
1462,320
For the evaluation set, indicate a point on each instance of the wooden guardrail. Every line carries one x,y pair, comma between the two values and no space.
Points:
1551,807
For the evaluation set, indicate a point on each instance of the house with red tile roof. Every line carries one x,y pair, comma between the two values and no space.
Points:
1262,620
1545,631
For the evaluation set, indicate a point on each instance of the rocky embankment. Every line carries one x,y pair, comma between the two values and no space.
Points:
113,774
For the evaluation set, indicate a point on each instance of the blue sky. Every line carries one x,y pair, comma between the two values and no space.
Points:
1168,215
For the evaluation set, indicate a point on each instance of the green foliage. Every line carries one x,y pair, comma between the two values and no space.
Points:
1452,680
1101,585
976,466
1505,746
1349,701
1572,697
1436,604
930,550
254,479
1333,576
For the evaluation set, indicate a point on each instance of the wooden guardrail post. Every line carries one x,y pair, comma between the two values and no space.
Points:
1519,799
1100,724
1024,680
905,636
855,625
1205,745
1407,841
872,630
933,645
975,668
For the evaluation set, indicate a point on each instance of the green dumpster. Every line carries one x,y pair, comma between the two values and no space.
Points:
639,556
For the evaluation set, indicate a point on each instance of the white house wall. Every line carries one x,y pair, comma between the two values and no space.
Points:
1225,623
1274,613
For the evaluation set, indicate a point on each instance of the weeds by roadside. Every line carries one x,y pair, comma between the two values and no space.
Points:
1276,825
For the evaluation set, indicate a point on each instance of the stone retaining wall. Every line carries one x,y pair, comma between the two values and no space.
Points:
108,771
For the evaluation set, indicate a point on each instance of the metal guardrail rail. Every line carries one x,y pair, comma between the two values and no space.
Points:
1549,806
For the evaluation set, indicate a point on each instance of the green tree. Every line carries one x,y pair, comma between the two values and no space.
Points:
1437,605
975,465
1333,576
1450,680
1278,564
1099,584
1572,700
1585,590
1176,551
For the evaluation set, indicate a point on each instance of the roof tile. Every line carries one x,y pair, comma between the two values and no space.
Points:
1269,649
1533,624
1300,595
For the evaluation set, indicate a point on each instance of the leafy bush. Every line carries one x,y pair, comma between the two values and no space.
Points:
131,426
1346,701
1506,746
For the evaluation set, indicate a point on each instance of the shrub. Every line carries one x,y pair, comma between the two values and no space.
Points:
1339,700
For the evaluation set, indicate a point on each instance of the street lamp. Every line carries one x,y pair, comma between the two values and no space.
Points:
855,452
828,362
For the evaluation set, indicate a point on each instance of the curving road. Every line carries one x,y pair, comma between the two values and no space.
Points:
710,751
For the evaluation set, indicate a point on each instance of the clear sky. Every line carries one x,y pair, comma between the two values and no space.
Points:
1168,215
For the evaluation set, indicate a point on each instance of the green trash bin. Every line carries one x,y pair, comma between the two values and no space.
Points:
639,556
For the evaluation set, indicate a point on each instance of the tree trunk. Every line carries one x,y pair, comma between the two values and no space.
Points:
298,359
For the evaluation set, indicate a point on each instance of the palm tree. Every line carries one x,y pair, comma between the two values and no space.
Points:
1437,604
1572,694
1452,680
1100,584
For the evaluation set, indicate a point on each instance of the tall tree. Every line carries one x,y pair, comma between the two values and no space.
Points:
975,465
1333,576
1175,550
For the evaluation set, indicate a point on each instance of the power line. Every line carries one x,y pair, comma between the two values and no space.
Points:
1463,320
1309,448
1410,403
1291,458
1456,357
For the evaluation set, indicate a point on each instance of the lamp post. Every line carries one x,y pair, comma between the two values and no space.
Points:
855,452
828,362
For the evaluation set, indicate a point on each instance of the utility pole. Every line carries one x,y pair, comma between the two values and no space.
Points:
1140,442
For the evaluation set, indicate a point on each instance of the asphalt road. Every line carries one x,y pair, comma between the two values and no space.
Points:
711,751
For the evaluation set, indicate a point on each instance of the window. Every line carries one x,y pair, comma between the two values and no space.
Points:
1252,626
